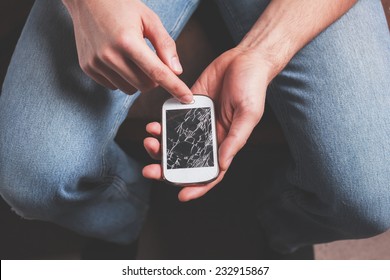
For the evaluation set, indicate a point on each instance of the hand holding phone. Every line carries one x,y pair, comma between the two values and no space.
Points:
189,142
239,86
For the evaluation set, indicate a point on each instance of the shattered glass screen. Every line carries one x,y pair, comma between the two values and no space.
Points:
189,138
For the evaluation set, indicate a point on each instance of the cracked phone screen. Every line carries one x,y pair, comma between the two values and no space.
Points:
189,138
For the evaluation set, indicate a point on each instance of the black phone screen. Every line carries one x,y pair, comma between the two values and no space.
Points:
189,138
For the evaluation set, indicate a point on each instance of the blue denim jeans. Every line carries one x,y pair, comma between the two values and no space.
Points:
59,162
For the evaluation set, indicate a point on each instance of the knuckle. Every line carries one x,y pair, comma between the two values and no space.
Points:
94,63
123,41
254,111
239,140
158,74
176,89
147,86
167,42
257,113
153,17
106,55
242,143
85,66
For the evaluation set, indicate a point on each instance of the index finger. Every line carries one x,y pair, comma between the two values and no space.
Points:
148,61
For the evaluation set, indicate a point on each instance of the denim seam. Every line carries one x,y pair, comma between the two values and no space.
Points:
121,187
285,110
118,184
236,22
111,134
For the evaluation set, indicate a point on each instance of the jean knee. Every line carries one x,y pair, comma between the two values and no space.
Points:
38,186
28,198
25,199
349,191
363,209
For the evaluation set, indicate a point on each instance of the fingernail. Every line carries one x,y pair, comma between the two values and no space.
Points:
176,64
187,99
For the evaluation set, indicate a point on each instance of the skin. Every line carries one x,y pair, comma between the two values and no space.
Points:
237,80
110,40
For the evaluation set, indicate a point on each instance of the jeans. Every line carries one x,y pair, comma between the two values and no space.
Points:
59,162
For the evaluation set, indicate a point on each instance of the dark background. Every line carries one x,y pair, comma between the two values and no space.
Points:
222,225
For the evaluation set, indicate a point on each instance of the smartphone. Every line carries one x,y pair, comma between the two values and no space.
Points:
189,141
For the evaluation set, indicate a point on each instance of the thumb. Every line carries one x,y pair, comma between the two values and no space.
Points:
209,82
199,87
241,128
163,43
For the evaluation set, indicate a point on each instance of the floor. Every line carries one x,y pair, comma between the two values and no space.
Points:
222,225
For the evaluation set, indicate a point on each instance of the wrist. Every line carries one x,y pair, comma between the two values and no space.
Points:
272,43
271,51
274,57
286,26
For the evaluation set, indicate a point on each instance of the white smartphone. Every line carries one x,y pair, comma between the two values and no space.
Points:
189,141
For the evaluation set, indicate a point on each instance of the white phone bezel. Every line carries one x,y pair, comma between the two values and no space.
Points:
189,176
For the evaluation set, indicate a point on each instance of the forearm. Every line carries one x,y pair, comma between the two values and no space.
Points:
288,25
